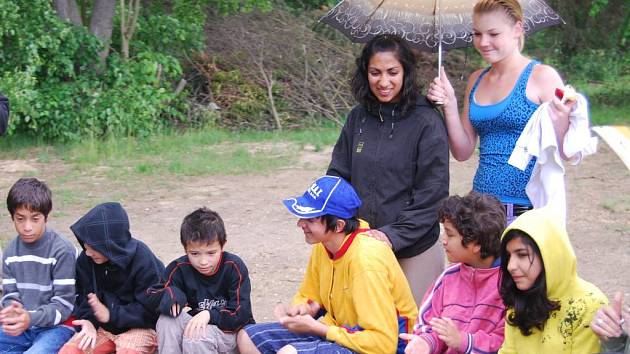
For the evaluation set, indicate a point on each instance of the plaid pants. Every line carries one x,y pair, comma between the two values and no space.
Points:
134,341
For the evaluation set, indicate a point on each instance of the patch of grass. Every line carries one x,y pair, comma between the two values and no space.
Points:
604,115
19,147
204,151
617,205
66,196
319,137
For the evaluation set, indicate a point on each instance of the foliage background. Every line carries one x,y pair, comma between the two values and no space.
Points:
243,64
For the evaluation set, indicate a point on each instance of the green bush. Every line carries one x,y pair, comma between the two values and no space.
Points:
610,93
49,72
597,65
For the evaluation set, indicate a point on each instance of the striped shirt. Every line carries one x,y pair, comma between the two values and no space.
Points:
40,275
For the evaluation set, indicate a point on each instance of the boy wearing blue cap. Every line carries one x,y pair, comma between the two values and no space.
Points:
354,296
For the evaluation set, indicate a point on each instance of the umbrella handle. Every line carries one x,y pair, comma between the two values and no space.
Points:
439,65
440,58
439,28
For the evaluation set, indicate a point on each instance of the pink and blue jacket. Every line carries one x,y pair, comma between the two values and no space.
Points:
470,298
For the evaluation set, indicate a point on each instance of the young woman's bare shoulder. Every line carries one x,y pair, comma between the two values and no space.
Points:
545,80
475,74
546,75
473,77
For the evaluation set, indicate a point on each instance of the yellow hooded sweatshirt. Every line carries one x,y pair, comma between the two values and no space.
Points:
568,329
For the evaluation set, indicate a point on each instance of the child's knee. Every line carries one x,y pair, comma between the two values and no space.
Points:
287,349
166,323
245,344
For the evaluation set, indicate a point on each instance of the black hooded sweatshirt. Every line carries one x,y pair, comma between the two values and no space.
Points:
398,164
120,283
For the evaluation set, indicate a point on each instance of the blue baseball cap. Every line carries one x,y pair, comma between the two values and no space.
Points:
328,195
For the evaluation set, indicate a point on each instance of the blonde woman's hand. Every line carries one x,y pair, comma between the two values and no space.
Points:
563,102
441,91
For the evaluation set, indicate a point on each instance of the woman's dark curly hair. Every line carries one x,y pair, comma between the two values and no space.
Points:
478,218
385,43
531,307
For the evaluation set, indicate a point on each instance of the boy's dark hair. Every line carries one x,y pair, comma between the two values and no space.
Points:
479,218
352,224
531,307
360,84
32,194
202,226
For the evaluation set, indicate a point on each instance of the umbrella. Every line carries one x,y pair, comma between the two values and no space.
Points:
429,25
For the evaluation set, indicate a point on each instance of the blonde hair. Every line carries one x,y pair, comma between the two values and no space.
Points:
510,7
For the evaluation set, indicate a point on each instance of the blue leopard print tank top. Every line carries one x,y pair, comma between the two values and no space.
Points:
499,126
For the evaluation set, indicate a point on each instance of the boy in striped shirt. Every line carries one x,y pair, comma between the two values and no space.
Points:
38,275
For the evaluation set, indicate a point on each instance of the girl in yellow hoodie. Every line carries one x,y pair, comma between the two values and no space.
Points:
549,307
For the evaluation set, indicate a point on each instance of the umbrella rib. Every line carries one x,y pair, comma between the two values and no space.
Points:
374,11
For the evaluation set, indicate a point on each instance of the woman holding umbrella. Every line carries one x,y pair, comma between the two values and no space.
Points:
499,102
393,149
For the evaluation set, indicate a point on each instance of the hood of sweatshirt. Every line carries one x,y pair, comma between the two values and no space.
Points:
547,230
105,228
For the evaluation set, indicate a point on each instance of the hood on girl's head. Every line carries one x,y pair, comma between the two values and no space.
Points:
105,228
549,233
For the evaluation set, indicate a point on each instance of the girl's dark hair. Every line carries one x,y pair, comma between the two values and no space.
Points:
478,218
331,222
32,194
531,307
202,226
385,43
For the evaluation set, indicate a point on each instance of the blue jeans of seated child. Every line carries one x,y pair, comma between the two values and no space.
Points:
36,340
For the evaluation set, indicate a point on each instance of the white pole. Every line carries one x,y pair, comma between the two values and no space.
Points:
440,56
438,14
439,22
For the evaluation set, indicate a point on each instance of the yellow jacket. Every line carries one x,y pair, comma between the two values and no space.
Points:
363,290
568,329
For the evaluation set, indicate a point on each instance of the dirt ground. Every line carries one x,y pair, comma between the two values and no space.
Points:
266,237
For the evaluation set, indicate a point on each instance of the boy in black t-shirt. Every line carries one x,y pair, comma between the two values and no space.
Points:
205,299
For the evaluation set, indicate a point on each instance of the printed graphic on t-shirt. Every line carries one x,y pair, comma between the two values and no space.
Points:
209,304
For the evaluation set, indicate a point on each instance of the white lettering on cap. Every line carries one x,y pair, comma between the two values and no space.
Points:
303,209
314,191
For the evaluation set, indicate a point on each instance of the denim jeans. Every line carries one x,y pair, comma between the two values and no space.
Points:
36,340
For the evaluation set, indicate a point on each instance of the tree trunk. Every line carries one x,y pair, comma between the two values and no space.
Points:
102,23
128,22
68,10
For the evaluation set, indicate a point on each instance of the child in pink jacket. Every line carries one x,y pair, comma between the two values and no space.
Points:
463,312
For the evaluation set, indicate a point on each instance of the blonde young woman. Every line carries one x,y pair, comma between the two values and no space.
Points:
498,103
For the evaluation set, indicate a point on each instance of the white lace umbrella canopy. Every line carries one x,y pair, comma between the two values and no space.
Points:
423,22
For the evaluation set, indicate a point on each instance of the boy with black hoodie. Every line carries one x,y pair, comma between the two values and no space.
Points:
114,272
205,299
